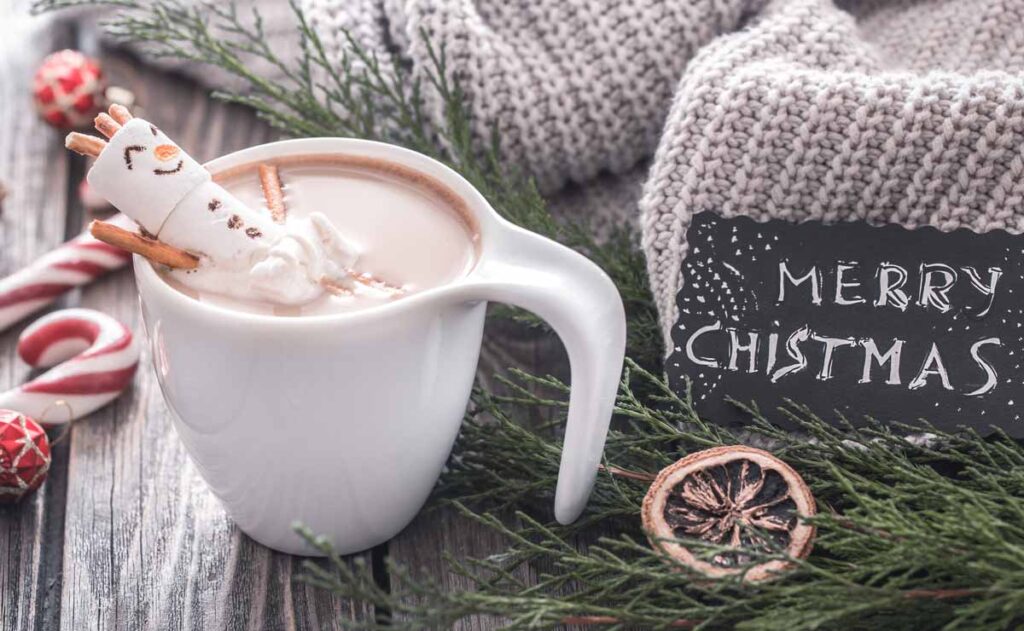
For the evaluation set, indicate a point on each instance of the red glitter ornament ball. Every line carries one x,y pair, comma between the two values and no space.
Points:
24,455
68,89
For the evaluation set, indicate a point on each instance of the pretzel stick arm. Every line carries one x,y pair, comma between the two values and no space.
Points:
84,144
152,249
106,125
120,113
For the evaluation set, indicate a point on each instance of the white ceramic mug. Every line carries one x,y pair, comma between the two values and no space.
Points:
343,422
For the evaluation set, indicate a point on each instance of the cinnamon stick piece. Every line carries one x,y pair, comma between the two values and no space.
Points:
152,249
106,125
120,113
84,144
270,180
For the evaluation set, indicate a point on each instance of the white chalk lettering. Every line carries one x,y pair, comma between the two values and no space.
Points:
990,372
987,289
830,344
936,279
814,275
773,349
932,366
691,355
793,350
841,284
735,348
891,357
891,278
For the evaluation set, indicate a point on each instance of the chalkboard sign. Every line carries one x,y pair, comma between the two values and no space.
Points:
885,322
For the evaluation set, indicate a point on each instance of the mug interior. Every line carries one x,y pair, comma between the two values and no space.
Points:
419,170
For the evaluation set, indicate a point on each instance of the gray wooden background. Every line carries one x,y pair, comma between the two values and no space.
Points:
124,534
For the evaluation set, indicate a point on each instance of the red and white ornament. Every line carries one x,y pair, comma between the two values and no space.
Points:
68,89
94,358
24,455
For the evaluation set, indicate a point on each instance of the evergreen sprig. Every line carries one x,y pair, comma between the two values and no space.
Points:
355,96
923,533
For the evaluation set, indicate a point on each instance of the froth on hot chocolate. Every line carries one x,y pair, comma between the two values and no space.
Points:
411,231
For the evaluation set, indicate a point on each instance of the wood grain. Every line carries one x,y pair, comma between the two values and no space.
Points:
146,544
125,534
34,169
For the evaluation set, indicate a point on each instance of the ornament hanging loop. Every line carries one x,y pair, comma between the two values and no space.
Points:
65,430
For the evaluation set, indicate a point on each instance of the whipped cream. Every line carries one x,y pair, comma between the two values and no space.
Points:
243,252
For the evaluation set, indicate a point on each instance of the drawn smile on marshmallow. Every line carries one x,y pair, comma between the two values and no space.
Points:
181,163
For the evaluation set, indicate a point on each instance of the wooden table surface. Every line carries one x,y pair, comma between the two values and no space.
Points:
124,534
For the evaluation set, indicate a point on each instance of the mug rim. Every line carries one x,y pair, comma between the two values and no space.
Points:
486,220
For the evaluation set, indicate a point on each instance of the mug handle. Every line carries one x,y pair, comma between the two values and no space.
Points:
581,303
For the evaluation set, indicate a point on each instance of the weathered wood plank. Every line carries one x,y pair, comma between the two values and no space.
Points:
33,167
147,545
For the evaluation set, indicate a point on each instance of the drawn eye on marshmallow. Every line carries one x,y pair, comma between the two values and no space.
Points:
162,153
128,151
160,174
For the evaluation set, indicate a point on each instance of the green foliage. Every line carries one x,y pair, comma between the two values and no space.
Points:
900,545
320,97
925,533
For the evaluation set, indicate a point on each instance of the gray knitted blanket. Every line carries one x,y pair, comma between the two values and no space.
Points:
908,111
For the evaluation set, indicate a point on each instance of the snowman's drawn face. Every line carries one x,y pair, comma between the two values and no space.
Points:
163,159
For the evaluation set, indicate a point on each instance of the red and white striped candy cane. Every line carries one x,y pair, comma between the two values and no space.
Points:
77,262
99,356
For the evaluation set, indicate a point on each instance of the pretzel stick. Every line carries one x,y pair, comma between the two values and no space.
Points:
152,249
85,145
365,279
270,181
335,288
106,125
120,113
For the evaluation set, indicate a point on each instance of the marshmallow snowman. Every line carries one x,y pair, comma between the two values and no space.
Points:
243,252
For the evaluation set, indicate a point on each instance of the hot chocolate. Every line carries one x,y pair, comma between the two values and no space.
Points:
411,233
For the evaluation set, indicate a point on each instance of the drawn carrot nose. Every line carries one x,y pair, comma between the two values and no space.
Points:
164,153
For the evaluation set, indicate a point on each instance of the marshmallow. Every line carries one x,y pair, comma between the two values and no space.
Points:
243,252
213,223
312,251
144,174
306,251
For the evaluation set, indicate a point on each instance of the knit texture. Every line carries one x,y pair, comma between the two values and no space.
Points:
895,112
573,88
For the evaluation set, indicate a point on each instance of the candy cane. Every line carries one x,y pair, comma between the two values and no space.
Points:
77,262
101,357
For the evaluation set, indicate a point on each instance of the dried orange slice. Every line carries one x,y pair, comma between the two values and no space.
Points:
740,497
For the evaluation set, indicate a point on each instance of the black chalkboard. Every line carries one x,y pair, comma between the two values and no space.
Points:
876,321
